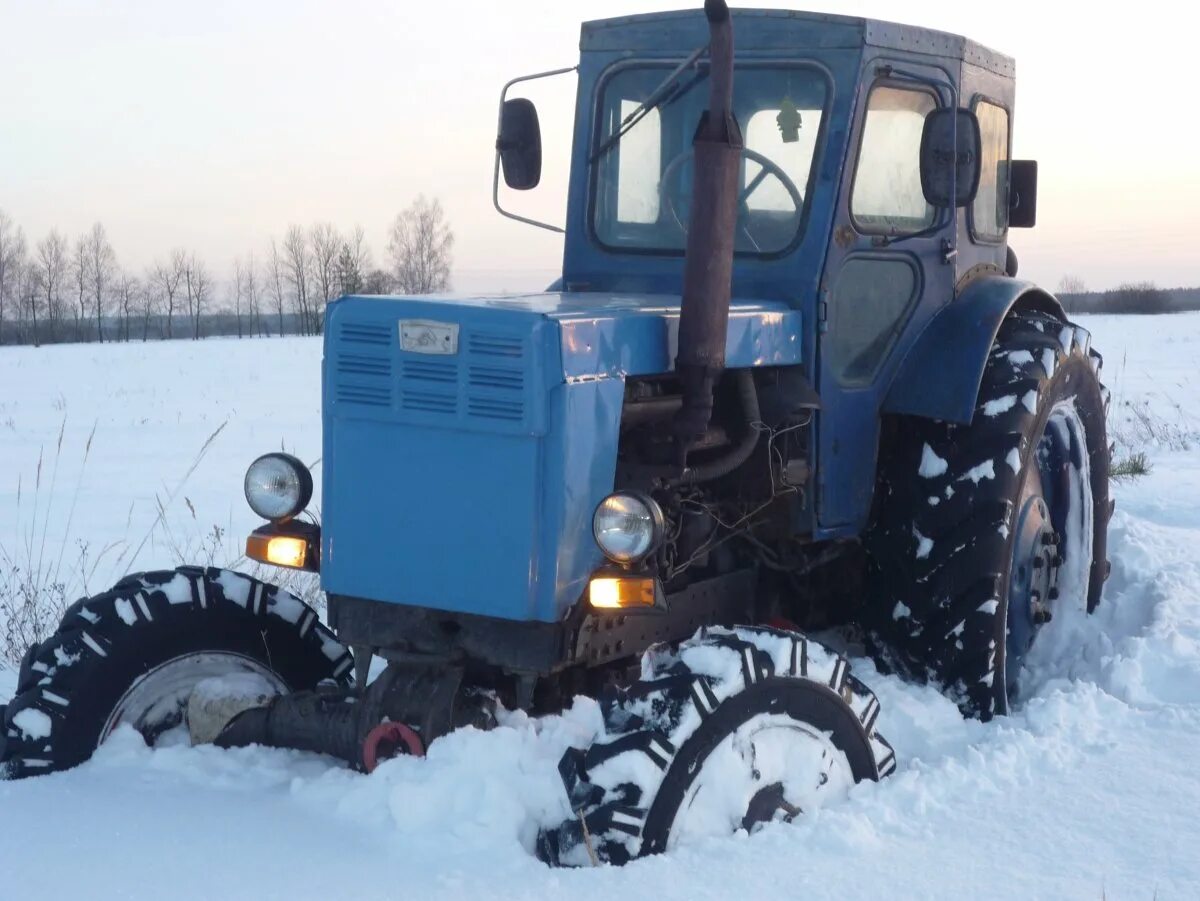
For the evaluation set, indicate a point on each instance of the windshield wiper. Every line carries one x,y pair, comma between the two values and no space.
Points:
668,89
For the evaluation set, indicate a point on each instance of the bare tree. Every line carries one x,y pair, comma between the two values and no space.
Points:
378,281
325,244
420,244
239,282
29,298
1071,284
253,296
197,285
80,279
12,258
150,301
52,264
102,264
166,278
129,291
296,269
354,260
275,282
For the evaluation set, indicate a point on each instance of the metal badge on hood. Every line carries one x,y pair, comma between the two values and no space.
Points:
423,336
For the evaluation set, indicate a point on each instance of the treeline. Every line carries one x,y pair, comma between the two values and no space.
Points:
1131,297
54,289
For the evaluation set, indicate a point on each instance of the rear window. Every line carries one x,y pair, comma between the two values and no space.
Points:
989,212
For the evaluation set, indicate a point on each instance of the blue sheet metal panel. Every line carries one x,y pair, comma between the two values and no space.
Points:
940,376
405,520
495,382
646,342
579,470
753,29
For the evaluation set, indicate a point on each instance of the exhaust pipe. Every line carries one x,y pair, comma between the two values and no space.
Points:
708,264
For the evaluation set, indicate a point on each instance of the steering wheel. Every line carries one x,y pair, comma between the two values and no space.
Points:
767,167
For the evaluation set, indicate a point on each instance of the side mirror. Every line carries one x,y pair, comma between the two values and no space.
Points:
519,144
950,161
1022,193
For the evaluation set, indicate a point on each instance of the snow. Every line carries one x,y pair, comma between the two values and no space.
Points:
979,472
1000,404
1087,790
932,465
33,723
924,545
125,611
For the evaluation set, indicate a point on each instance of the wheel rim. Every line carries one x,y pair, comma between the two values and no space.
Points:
1052,545
157,700
772,768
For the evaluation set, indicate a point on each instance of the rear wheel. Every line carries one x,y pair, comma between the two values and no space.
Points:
730,730
135,655
985,532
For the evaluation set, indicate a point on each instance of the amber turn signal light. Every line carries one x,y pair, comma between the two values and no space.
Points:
278,550
620,592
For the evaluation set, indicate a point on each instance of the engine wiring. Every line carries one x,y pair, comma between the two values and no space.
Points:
741,525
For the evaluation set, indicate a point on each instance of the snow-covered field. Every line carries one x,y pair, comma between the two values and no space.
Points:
1089,791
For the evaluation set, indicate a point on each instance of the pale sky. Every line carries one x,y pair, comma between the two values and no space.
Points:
213,124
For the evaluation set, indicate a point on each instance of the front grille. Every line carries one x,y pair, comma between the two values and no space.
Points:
423,371
491,345
364,333
487,383
500,379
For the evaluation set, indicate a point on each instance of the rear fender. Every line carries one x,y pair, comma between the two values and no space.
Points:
940,376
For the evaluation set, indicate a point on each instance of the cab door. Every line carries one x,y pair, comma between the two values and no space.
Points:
886,273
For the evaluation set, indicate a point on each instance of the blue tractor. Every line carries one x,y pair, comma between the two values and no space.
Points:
788,381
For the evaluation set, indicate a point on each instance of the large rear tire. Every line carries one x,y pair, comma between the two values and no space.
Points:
983,532
729,730
133,655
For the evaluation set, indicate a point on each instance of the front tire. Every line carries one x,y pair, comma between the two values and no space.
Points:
983,531
729,730
134,653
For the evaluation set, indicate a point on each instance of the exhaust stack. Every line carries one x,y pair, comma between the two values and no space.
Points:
708,264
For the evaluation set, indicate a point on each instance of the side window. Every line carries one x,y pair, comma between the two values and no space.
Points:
795,157
989,212
639,163
887,195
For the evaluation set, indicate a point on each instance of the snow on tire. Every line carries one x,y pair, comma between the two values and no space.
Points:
728,730
140,647
955,596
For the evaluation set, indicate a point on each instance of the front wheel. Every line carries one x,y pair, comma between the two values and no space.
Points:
135,654
727,731
985,532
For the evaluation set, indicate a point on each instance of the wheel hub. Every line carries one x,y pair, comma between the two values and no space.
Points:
1053,516
771,769
157,701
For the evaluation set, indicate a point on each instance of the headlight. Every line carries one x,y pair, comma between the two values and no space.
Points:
627,526
278,486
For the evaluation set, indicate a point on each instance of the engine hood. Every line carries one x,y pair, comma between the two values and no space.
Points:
605,335
468,440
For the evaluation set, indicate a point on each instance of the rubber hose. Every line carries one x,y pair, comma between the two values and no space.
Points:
706,472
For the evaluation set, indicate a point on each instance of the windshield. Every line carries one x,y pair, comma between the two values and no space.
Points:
643,181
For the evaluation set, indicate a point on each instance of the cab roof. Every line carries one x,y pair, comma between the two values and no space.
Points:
765,31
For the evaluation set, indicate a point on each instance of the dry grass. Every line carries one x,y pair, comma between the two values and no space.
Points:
36,588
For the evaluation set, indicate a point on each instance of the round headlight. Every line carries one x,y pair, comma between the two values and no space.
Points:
278,486
627,526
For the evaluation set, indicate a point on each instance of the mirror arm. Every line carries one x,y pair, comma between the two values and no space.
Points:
496,168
